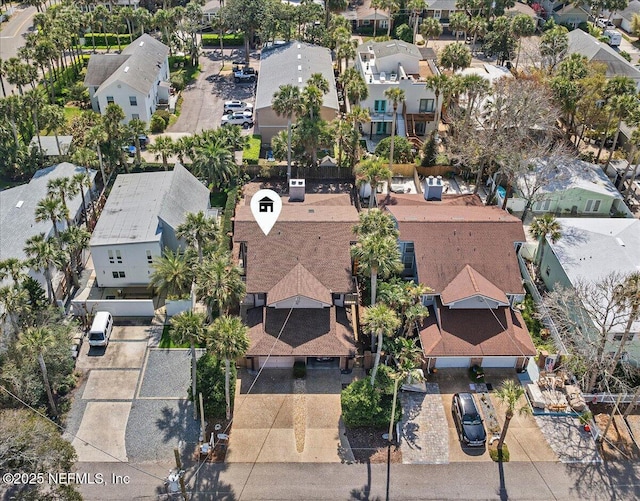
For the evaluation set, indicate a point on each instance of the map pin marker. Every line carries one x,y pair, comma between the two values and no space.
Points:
266,206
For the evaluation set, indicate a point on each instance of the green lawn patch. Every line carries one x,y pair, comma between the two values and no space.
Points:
166,342
217,198
70,112
252,150
495,455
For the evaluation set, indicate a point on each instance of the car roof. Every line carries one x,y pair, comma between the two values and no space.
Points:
467,403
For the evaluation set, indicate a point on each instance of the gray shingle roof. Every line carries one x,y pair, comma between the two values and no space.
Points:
143,59
18,224
102,66
632,8
279,66
583,43
393,47
138,202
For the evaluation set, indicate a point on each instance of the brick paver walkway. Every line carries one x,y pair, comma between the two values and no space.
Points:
568,440
424,432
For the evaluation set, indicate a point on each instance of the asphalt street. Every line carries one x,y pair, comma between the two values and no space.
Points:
12,34
308,481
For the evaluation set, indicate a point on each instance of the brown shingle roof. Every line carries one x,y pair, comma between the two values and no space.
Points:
299,282
476,333
418,199
322,332
316,237
448,238
470,283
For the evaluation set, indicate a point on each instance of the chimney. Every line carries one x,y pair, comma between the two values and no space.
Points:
296,190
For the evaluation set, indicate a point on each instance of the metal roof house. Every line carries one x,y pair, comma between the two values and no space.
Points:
137,79
291,63
139,221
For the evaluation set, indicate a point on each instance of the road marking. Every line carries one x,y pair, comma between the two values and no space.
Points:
21,25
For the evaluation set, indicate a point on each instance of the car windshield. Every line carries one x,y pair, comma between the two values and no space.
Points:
471,419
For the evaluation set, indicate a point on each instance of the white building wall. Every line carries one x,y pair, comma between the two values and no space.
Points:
134,263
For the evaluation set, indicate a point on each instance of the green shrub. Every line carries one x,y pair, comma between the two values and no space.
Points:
165,115
299,370
104,39
157,124
363,405
402,149
405,33
252,150
177,81
229,40
229,209
495,456
429,151
210,382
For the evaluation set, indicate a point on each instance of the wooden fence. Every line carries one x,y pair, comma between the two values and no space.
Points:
280,170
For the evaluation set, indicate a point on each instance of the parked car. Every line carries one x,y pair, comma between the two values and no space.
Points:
245,75
468,421
230,106
604,23
243,118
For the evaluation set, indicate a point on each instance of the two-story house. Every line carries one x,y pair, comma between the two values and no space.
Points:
394,63
139,221
442,10
137,79
299,281
467,255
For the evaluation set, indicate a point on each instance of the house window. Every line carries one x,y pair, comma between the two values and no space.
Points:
618,337
135,116
110,100
380,105
592,206
118,257
366,22
118,274
149,257
427,106
542,206
133,101
409,248
437,14
111,258
421,128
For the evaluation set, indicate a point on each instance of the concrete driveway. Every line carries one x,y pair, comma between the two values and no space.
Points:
524,438
284,421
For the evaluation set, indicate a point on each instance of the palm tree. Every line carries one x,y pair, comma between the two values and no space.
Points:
95,136
188,327
377,256
391,6
455,56
287,102
215,163
379,321
627,296
508,394
137,128
614,88
12,267
459,21
522,26
228,340
356,116
62,187
76,239
37,340
51,208
375,221
355,88
373,172
82,181
622,107
408,358
437,84
429,29
415,7
375,5
541,228
220,283
14,300
172,274
197,231
396,96
162,146
44,254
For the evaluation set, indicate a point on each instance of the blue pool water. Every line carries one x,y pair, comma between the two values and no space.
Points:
501,192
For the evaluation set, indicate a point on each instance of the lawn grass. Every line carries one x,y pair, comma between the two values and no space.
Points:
217,198
252,150
70,112
493,452
167,342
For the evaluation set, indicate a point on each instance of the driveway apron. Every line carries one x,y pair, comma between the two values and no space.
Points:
424,433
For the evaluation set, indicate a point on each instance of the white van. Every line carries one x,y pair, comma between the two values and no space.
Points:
101,329
615,38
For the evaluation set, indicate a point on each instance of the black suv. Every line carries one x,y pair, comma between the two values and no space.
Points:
468,421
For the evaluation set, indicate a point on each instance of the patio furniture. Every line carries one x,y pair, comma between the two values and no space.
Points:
575,398
535,396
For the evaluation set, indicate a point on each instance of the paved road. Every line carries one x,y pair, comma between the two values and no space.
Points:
12,35
514,481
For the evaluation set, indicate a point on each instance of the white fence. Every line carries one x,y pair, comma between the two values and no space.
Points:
608,398
117,307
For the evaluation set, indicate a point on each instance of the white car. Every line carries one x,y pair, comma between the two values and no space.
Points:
230,106
604,23
243,118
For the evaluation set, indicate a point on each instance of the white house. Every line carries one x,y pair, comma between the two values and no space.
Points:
624,18
394,63
17,211
139,221
137,79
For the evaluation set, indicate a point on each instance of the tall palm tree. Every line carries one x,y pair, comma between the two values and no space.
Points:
373,172
75,239
12,267
396,96
44,255
137,128
95,136
430,28
172,274
622,107
36,341
229,340
220,283
379,321
391,6
437,84
215,163
627,296
355,88
377,256
287,102
408,358
14,300
83,181
375,221
415,7
63,188
509,393
197,231
188,327
162,146
615,88
541,228
356,116
522,26
51,208
375,5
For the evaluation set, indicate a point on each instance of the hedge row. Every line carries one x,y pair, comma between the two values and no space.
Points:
232,40
252,151
104,39
229,209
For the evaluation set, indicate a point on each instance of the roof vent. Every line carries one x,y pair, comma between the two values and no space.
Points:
126,69
141,43
296,190
299,67
19,204
620,242
299,79
299,56
298,46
